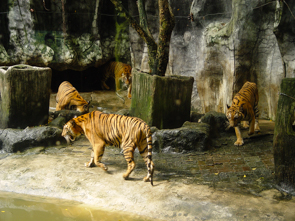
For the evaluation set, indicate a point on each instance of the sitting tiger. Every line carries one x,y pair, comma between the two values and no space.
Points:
244,108
118,71
110,129
68,98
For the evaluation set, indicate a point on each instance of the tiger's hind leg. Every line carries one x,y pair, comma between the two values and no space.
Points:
104,86
117,83
256,112
128,152
147,157
251,128
256,127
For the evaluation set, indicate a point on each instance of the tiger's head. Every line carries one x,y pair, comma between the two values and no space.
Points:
81,108
126,75
71,130
127,78
79,104
234,116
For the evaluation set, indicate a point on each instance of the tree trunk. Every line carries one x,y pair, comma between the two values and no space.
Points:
167,23
158,53
284,134
151,44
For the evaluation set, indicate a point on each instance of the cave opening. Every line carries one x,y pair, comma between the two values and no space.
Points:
84,81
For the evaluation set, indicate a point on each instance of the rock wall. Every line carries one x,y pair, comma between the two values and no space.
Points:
222,45
226,43
62,34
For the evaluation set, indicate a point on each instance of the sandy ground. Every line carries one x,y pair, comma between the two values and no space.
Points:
60,173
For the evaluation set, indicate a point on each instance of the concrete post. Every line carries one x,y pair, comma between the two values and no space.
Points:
164,102
24,96
284,134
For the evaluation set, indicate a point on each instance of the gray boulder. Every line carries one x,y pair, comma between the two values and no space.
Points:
58,122
67,114
195,116
218,123
190,137
60,118
13,140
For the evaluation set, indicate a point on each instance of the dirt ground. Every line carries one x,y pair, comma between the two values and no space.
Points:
224,183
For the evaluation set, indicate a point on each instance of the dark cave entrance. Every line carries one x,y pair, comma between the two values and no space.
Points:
84,81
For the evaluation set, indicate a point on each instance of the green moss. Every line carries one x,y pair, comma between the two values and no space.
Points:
120,38
163,102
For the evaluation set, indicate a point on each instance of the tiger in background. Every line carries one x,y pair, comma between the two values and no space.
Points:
68,98
111,129
244,108
118,71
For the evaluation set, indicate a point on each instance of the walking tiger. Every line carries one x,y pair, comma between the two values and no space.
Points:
111,129
244,108
118,71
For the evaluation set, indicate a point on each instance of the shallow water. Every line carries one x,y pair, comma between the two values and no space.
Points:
14,207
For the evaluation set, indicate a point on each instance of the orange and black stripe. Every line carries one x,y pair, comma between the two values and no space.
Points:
69,98
116,130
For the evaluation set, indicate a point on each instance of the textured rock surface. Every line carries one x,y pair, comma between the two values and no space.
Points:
218,122
190,137
62,35
166,101
59,118
24,96
13,140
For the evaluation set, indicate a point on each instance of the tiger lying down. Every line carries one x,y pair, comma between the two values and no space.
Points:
110,129
68,98
244,108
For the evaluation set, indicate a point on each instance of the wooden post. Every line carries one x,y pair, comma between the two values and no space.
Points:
284,134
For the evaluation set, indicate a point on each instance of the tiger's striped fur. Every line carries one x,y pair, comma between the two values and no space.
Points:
111,129
68,98
244,108
118,71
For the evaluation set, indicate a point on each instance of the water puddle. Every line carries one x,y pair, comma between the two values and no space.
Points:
32,208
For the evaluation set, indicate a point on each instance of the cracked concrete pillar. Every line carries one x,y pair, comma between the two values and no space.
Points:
24,96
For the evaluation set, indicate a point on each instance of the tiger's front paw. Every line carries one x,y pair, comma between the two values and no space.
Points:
250,133
239,143
146,179
257,129
245,125
90,163
125,176
101,165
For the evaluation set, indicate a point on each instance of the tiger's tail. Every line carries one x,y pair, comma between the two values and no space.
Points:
150,164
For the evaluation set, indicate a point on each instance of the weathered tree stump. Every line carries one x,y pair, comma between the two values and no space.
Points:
284,135
163,102
24,96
